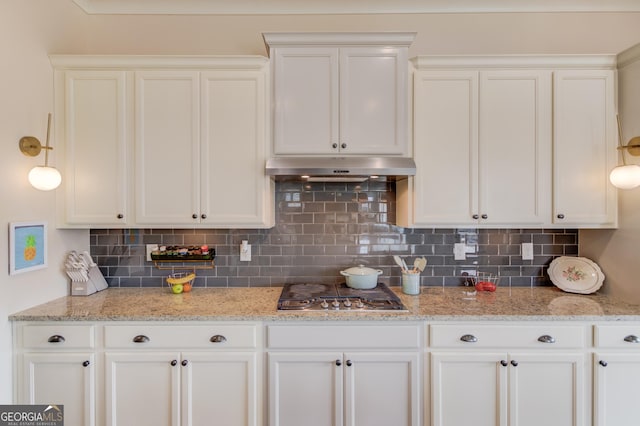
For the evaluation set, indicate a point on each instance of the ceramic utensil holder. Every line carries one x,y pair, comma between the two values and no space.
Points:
411,282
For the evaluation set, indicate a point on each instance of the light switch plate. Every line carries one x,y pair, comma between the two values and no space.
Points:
245,252
459,251
527,251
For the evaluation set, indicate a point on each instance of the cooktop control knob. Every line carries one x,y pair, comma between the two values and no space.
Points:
324,304
335,304
347,303
359,304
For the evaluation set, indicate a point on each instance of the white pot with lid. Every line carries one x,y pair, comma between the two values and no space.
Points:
361,277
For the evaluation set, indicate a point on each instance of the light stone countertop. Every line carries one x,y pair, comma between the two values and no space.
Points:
259,304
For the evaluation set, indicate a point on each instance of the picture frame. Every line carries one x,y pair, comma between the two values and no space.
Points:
27,246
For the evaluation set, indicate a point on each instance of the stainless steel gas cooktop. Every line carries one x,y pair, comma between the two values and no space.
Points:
337,297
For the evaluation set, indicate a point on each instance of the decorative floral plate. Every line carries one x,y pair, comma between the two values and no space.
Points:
575,274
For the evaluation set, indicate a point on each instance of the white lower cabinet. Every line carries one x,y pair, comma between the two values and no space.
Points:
507,375
182,375
616,375
64,379
57,365
331,374
173,388
376,383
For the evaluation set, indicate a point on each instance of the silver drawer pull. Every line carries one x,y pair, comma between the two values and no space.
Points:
632,339
56,338
469,338
218,338
546,339
141,338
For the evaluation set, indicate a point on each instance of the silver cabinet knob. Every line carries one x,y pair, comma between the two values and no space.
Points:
469,338
632,339
546,339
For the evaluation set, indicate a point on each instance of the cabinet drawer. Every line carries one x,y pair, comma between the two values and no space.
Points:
181,337
343,337
617,336
58,336
507,336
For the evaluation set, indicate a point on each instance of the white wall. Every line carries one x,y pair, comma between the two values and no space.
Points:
618,251
28,30
32,29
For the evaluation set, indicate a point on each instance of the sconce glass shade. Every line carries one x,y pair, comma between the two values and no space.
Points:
625,177
45,178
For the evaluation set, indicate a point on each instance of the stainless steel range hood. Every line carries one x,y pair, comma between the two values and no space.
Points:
340,169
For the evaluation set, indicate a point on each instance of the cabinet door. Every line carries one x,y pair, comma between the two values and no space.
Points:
515,147
167,146
381,389
373,106
616,386
546,389
445,147
96,143
468,389
306,389
235,189
584,148
142,389
221,388
66,379
306,101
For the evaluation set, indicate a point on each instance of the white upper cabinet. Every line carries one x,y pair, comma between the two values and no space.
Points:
340,93
167,146
584,148
92,117
233,150
514,141
198,128
482,148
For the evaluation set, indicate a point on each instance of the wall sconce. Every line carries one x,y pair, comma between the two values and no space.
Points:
626,176
44,178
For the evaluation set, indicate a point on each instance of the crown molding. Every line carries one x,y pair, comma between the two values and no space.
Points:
629,56
293,7
157,61
515,61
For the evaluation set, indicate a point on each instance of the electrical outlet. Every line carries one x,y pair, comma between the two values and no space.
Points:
527,251
150,248
459,251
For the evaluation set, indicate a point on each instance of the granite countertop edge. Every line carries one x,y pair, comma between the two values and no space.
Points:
259,305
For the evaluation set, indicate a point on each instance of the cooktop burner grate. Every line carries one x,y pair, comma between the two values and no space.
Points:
317,297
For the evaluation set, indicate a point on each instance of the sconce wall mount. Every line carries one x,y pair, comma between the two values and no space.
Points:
44,178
